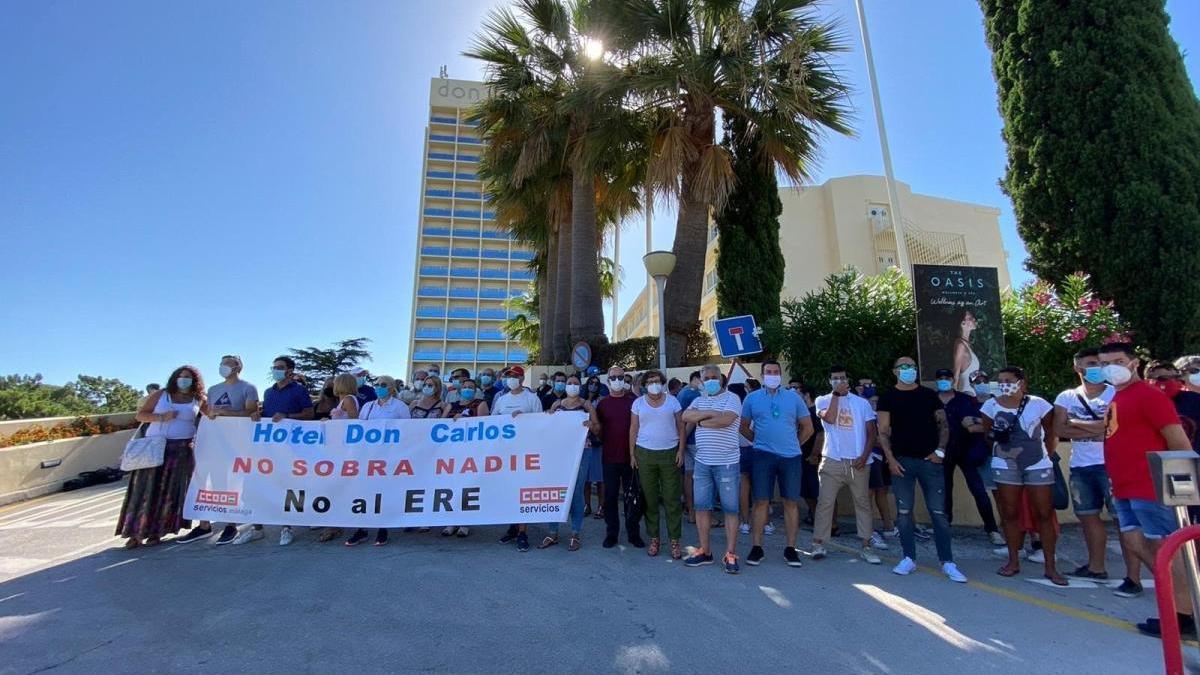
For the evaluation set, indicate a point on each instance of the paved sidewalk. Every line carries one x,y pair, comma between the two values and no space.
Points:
72,601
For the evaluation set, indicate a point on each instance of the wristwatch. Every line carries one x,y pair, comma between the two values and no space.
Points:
941,454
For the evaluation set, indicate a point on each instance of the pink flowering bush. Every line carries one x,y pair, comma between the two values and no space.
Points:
1044,327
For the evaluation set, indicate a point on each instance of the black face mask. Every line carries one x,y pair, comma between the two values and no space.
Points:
328,391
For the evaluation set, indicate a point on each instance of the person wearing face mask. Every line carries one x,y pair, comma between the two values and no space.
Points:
545,386
715,419
850,431
386,406
777,422
615,413
593,392
913,433
517,399
154,497
466,403
1079,418
1141,419
429,403
1168,379
1021,427
365,391
966,449
685,397
656,434
573,400
457,376
232,397
487,389
413,392
556,392
1189,369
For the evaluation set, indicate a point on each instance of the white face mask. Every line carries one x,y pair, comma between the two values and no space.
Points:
654,388
1008,388
772,381
1194,380
512,383
225,370
616,385
572,390
1116,374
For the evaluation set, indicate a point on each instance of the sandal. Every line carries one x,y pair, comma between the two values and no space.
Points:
152,541
548,542
1057,579
1007,571
676,550
599,514
655,544
132,543
575,543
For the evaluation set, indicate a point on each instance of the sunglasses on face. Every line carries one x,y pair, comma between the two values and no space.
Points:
906,366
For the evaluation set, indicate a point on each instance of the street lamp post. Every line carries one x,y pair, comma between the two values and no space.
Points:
659,265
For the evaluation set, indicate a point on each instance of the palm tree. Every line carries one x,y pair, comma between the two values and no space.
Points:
689,59
523,325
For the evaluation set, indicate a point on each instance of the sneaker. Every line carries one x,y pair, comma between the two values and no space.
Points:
1085,572
227,535
510,535
791,557
463,532
768,529
870,556
1128,589
922,532
877,542
818,552
755,557
195,534
449,531
247,535
522,542
285,536
744,528
996,538
731,564
359,536
1153,627
698,559
905,567
381,537
952,573
609,541
1038,556
893,533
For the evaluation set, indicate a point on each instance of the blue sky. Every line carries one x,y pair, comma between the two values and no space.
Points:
183,180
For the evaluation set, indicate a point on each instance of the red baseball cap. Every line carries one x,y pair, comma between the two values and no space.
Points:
516,371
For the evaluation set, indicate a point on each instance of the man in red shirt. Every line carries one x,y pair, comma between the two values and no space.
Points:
615,413
1141,419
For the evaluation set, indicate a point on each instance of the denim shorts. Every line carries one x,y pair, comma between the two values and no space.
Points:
723,479
988,475
1153,519
1032,477
747,460
1090,490
769,469
689,458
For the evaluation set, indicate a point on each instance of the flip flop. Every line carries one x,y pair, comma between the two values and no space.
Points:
574,545
1006,572
1061,581
548,542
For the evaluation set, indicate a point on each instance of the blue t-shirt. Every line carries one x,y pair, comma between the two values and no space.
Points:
776,420
962,441
686,396
290,400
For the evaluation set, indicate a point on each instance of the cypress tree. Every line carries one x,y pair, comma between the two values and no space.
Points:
1103,134
749,262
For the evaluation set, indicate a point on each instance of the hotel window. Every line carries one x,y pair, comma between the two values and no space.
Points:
710,281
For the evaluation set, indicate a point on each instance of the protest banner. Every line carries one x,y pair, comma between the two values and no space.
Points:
387,473
958,321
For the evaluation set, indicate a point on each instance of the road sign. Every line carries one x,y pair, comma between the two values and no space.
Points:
581,355
737,336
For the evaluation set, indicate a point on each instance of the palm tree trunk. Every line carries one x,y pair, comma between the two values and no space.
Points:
587,309
685,285
562,295
546,290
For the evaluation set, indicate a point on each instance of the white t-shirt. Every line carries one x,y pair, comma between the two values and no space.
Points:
656,426
1086,451
524,402
718,446
847,437
1035,411
393,409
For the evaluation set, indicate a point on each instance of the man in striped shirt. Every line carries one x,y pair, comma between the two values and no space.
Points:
716,417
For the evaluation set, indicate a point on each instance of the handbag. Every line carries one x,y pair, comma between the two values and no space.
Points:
1061,495
142,451
635,501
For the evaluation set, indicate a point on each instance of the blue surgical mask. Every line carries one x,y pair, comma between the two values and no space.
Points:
467,394
907,375
485,380
184,383
360,381
983,389
278,375
944,385
1094,375
427,390
712,387
381,392
560,387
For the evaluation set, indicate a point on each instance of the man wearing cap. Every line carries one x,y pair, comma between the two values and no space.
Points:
366,393
967,448
515,400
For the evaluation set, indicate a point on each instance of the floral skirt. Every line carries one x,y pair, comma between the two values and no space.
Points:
154,500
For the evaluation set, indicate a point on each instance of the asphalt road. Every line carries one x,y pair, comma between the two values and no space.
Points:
72,601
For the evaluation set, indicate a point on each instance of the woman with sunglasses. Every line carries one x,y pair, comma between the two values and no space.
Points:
656,428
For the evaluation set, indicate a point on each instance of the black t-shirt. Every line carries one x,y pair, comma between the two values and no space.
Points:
914,427
807,448
1187,404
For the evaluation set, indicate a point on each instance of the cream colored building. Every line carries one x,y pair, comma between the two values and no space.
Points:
845,221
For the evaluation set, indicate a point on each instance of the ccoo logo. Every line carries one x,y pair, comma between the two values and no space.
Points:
543,495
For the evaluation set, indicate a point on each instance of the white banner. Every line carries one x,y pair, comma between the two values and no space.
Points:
387,473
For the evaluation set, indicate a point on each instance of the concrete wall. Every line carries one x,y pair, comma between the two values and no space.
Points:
21,473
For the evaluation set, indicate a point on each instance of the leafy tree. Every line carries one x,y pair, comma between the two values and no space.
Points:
107,394
317,365
1103,134
523,326
28,397
749,260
